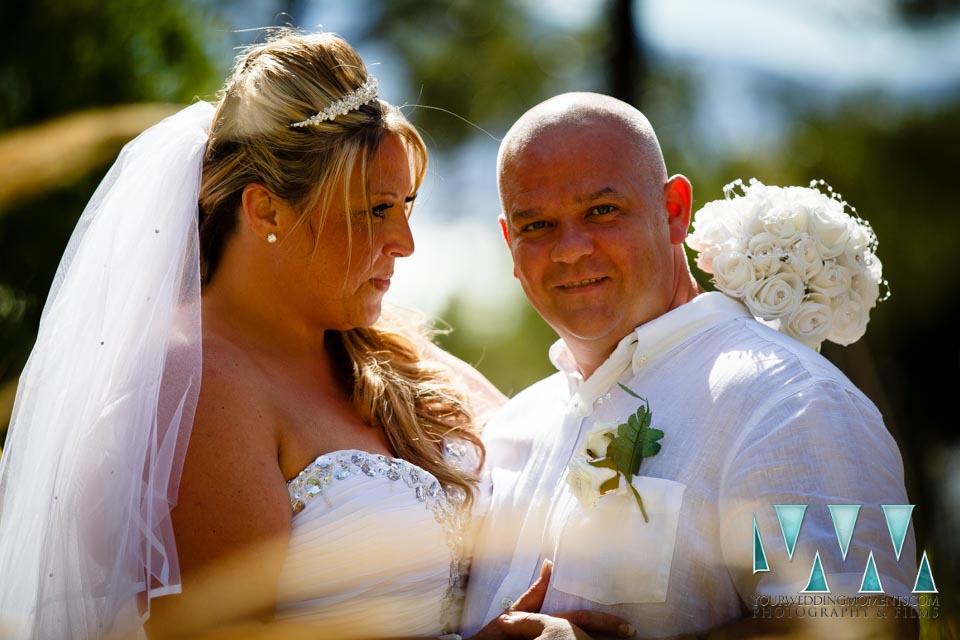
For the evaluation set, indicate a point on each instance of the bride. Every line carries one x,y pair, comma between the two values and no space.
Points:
314,470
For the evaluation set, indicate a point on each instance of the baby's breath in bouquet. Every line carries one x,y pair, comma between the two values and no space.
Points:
795,256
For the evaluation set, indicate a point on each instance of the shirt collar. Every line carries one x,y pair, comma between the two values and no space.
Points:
643,345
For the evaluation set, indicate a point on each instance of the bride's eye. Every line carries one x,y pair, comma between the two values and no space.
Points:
380,210
408,204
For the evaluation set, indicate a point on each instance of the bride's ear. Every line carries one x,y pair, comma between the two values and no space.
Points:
262,211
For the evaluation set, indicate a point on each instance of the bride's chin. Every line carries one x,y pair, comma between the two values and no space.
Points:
371,316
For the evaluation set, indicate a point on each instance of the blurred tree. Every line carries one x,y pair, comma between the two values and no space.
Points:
926,12
625,58
65,56
513,354
487,61
62,57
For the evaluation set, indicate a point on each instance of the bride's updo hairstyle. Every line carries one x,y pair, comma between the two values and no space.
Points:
286,80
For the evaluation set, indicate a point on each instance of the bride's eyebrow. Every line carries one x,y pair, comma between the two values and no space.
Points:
391,194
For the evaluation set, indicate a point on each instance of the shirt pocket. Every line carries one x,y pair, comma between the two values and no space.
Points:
607,553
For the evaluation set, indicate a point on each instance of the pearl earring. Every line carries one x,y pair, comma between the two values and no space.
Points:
271,237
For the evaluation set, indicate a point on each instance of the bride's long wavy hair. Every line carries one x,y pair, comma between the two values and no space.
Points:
284,80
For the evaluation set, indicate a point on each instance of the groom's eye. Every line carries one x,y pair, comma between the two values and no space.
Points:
533,226
602,210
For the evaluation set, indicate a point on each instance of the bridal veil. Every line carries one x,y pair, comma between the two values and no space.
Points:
91,466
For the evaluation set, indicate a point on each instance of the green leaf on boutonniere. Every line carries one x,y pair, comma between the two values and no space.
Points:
610,485
603,463
635,440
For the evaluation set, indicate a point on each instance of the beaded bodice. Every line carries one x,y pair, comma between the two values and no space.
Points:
376,547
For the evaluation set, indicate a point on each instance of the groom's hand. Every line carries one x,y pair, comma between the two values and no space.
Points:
529,602
571,625
532,598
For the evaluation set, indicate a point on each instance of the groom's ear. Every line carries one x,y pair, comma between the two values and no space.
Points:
678,200
506,238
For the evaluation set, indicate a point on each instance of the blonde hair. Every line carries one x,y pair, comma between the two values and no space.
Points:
285,80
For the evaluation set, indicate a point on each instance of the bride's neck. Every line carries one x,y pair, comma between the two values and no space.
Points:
240,304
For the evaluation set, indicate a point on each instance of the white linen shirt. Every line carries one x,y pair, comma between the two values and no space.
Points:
751,419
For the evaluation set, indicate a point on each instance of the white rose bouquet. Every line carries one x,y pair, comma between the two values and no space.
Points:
794,256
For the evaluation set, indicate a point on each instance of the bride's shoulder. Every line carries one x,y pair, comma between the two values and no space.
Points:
233,397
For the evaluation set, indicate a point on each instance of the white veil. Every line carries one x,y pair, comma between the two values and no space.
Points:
92,462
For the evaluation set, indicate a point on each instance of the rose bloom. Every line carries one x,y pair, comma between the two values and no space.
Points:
860,237
733,273
832,280
716,229
805,258
765,252
831,227
786,224
850,319
867,289
776,296
597,441
853,259
584,480
812,322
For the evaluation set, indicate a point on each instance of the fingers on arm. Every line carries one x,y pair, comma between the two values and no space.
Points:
532,599
599,623
570,624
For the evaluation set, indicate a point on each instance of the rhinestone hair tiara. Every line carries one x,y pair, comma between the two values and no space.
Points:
351,102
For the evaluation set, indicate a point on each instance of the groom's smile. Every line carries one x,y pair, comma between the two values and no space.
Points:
587,230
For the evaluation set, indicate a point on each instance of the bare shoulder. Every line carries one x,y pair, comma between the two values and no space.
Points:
234,427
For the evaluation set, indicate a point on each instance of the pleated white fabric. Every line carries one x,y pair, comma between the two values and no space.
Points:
376,550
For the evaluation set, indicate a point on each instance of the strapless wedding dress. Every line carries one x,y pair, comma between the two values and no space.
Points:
377,548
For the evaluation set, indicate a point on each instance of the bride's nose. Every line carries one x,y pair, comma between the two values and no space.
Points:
399,242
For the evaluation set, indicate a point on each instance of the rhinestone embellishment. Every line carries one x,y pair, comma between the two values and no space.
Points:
339,466
351,102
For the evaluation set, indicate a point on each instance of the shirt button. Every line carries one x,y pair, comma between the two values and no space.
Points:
640,360
506,603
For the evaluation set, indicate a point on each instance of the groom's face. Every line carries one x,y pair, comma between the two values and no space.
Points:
587,227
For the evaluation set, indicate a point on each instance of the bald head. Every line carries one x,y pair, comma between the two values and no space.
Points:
594,225
571,113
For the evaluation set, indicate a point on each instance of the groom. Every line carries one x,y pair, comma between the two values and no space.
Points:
751,418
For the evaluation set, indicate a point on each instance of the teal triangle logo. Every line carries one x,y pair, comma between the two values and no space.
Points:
817,583
898,520
925,583
844,519
759,555
790,517
871,578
